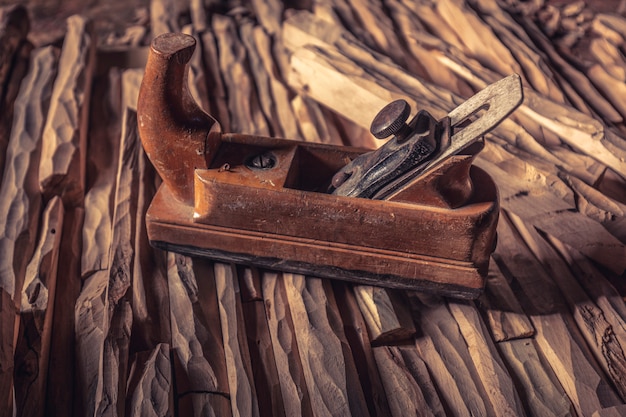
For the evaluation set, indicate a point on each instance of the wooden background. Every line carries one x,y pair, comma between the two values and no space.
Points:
95,322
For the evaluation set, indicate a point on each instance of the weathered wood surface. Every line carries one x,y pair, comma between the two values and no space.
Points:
131,330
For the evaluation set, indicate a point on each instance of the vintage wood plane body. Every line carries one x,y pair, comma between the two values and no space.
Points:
322,210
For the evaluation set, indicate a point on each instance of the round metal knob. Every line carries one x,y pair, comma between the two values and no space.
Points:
391,120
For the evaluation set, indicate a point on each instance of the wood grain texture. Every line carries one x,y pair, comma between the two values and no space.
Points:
242,390
62,397
20,200
320,350
62,167
293,384
102,159
36,314
386,314
153,385
505,317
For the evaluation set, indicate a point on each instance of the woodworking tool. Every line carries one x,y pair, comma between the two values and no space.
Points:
428,222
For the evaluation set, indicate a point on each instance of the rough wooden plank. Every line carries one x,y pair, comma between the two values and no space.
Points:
153,382
293,385
320,349
505,316
557,337
8,317
19,68
361,350
104,138
32,351
62,167
266,378
538,387
20,198
243,396
493,374
62,394
386,314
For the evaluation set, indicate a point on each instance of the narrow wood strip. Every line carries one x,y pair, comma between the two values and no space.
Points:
244,401
361,350
62,167
200,365
386,314
505,317
36,312
557,337
103,156
151,397
320,350
266,379
8,317
491,370
293,385
62,397
20,199
538,387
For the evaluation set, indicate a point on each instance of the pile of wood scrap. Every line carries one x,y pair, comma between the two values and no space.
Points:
93,321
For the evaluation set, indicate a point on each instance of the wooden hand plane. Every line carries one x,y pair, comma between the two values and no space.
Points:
413,214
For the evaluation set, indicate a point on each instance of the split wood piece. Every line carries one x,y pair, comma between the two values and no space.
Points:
243,396
32,351
164,16
580,83
243,104
266,378
558,340
201,374
198,16
293,385
407,381
386,314
373,18
269,14
115,358
490,367
151,383
357,337
150,299
505,317
64,145
356,395
105,289
605,338
600,207
20,199
616,411
442,347
554,216
321,354
421,46
600,290
261,78
218,102
14,27
536,70
19,68
102,158
460,26
536,383
8,318
312,125
62,394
